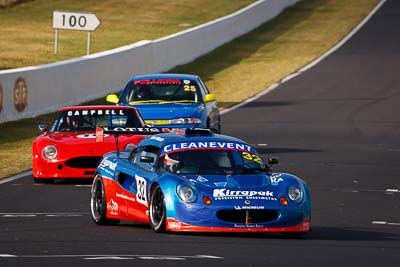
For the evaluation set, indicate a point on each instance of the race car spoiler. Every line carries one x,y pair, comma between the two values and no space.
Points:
100,131
135,130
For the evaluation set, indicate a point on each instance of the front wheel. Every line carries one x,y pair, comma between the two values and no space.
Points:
98,203
157,210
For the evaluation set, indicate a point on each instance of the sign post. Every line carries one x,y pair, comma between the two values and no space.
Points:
74,21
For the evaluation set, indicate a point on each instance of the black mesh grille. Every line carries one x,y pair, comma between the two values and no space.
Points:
83,162
252,216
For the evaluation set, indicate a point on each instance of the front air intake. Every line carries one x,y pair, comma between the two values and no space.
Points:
247,216
83,162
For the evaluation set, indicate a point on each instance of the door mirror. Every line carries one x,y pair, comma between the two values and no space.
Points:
273,160
112,98
42,128
209,98
146,159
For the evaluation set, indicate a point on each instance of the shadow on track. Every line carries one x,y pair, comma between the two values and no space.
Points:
350,234
68,181
317,233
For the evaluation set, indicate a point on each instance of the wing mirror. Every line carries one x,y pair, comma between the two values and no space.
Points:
273,160
42,127
146,159
209,98
112,98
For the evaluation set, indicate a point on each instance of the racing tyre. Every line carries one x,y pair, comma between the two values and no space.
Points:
98,203
157,210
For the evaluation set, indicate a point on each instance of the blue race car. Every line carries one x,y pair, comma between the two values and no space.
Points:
197,180
171,100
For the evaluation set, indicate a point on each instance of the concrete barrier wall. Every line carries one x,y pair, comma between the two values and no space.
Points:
32,91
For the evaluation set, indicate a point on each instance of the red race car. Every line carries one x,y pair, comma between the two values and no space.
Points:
72,146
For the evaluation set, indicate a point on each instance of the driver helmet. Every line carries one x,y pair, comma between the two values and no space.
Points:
171,164
143,91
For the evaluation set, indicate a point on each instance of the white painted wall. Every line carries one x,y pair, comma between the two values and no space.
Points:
90,77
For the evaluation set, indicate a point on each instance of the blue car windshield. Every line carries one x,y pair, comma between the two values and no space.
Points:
161,91
212,161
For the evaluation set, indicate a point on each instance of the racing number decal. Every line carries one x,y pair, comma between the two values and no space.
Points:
252,157
189,88
141,190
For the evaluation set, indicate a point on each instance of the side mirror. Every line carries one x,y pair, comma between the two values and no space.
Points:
209,98
130,146
113,98
146,159
42,128
273,160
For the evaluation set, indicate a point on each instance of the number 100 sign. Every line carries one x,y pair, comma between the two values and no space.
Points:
74,21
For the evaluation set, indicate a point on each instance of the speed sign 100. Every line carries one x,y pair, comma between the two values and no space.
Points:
75,21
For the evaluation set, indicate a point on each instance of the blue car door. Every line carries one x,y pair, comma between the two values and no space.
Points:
137,180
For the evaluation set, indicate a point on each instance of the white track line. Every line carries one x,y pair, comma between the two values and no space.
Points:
40,214
15,177
386,223
119,257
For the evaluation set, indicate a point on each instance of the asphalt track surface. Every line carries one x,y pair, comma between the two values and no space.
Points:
336,125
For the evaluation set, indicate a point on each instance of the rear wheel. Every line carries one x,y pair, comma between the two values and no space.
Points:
157,210
98,203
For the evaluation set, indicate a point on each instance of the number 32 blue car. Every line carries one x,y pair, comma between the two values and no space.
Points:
200,181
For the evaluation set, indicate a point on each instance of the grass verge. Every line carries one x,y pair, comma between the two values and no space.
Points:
30,36
237,70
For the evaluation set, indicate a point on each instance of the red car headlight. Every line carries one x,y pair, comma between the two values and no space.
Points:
50,152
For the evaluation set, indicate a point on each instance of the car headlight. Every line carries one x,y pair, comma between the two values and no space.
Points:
50,152
186,193
294,192
185,121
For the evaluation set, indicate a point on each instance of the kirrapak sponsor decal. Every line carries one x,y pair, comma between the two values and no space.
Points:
226,194
207,145
96,112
